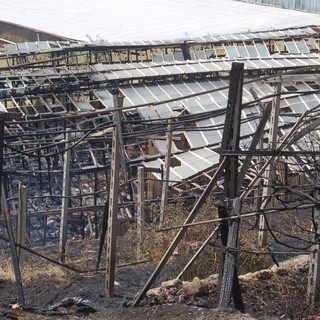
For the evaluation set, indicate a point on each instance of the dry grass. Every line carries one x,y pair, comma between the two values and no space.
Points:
83,254
31,272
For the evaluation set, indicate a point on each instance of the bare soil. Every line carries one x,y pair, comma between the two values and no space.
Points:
276,293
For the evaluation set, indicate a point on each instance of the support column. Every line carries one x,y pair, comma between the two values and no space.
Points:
228,284
65,199
270,173
22,221
113,198
140,203
140,209
6,213
313,289
165,182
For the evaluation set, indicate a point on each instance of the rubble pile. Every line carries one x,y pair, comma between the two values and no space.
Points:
187,292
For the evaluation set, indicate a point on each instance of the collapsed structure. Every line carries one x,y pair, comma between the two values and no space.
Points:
49,87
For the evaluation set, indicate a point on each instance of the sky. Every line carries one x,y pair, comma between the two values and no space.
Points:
125,20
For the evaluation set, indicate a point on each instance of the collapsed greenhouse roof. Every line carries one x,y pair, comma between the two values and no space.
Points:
49,87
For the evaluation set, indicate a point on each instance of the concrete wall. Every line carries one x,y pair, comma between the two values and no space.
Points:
303,5
17,33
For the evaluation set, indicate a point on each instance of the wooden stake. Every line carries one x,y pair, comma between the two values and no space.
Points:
229,280
140,204
22,221
313,289
230,142
65,199
6,213
15,259
270,173
113,199
165,183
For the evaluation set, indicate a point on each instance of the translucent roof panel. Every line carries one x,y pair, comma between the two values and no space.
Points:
183,89
195,139
11,49
193,105
262,50
171,91
84,106
44,46
163,111
200,55
199,160
105,97
292,48
245,128
148,72
302,47
161,71
243,51
253,53
158,93
135,73
199,67
232,52
148,113
23,48
33,46
209,131
162,146
178,56
185,170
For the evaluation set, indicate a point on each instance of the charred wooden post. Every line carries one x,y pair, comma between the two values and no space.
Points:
140,203
6,213
261,110
230,142
113,197
22,221
313,289
65,199
270,173
15,258
230,283
165,182
140,208
186,50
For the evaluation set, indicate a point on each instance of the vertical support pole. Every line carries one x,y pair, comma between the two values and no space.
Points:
231,133
270,173
65,199
140,209
113,198
230,142
5,211
258,190
22,221
165,183
15,259
140,204
313,289
229,270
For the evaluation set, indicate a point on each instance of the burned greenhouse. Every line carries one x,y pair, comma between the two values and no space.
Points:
143,124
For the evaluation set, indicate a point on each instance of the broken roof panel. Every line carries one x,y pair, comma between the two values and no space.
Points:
3,108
